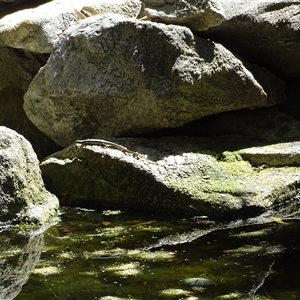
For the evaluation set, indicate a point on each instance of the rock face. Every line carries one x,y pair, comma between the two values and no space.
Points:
149,66
266,126
23,197
198,172
109,76
197,15
37,29
266,32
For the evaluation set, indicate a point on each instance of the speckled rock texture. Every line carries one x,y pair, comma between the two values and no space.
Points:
110,76
37,29
266,32
197,172
197,15
210,69
23,197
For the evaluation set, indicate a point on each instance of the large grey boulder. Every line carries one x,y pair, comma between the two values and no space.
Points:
37,29
197,15
114,76
266,32
169,174
23,197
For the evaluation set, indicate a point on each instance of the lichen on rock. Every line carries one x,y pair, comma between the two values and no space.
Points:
23,197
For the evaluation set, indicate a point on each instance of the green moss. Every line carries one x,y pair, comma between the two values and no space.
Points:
228,156
238,169
172,184
209,176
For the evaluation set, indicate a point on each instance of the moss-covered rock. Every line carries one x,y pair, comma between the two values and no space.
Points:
148,175
23,197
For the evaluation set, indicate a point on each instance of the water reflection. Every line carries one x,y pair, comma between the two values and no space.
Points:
114,255
19,254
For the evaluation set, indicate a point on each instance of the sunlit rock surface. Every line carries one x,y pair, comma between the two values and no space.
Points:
23,197
197,15
110,76
37,29
168,175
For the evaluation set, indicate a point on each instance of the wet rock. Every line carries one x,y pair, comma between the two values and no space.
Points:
199,281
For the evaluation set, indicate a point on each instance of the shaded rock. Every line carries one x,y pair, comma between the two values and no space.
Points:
23,197
292,106
274,86
150,176
37,29
264,32
6,5
17,69
197,15
106,77
264,125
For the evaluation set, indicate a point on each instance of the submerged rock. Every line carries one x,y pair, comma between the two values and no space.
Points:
199,281
23,197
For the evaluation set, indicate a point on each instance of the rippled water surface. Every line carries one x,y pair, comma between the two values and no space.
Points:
114,255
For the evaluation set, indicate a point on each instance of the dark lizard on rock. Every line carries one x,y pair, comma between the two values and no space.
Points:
107,144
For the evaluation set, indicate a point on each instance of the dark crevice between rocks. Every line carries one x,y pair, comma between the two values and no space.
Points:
14,117
9,7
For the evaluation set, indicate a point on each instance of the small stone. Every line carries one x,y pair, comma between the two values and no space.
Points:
199,281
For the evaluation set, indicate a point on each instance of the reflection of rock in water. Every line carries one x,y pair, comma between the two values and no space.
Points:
290,210
17,260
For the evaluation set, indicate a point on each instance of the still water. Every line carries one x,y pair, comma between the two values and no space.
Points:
112,255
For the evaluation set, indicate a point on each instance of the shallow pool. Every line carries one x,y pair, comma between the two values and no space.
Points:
115,255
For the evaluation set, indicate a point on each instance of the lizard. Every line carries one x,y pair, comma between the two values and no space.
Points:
104,143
